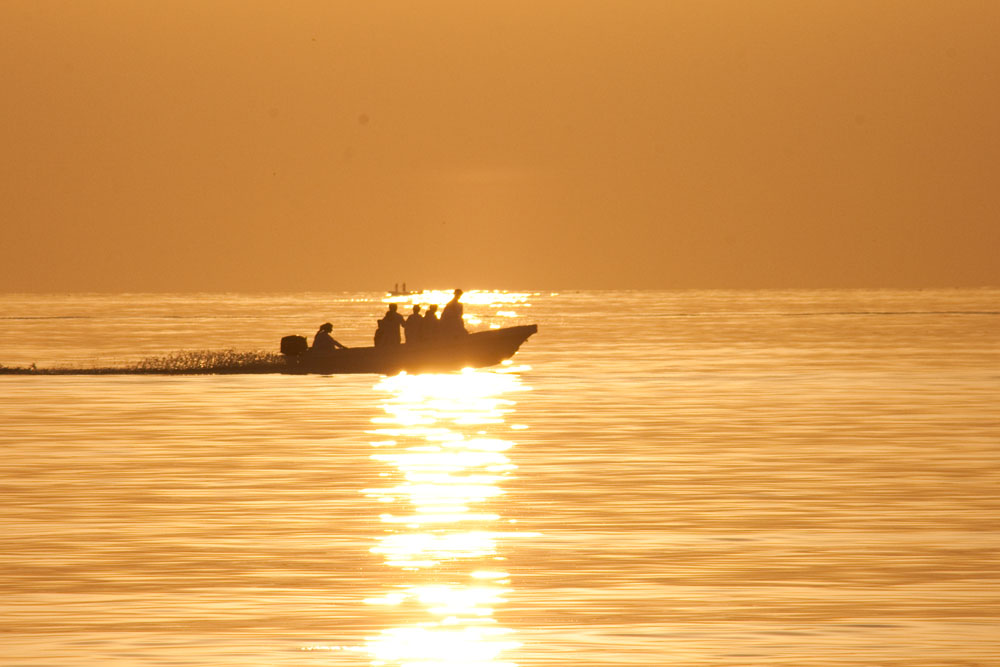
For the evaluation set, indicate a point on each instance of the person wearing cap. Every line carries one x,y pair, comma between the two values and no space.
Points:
324,342
452,317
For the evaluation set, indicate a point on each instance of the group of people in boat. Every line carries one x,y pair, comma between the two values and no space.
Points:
417,328
393,328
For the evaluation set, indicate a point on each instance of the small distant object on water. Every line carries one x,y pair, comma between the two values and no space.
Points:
402,292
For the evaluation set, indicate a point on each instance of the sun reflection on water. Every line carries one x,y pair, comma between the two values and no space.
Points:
442,439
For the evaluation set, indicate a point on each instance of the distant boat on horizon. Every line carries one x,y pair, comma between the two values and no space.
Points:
395,291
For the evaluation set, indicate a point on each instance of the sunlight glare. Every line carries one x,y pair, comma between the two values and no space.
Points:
439,437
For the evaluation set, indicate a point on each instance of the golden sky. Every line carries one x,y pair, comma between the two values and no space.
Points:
326,145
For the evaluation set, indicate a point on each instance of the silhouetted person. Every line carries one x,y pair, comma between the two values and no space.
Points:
431,324
413,327
324,342
452,317
388,327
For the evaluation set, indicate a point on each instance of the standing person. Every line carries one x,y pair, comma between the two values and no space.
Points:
324,342
431,324
413,325
388,327
452,317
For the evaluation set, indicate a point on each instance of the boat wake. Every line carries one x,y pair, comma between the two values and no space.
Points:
203,362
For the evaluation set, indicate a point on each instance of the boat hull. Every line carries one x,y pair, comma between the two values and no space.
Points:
475,350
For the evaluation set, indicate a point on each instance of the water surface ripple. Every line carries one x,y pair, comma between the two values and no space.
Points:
781,478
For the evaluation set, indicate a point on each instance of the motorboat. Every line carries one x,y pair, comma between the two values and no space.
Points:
446,353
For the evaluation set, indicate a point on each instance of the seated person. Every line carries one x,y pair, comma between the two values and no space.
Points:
324,342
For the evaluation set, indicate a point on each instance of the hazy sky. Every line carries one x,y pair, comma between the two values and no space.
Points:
325,145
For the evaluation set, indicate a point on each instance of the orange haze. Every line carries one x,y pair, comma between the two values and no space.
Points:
233,145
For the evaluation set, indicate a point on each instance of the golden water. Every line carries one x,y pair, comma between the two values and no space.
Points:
658,478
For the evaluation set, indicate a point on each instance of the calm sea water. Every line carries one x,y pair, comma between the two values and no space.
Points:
659,478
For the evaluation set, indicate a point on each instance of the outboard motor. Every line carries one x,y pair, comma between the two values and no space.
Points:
293,346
